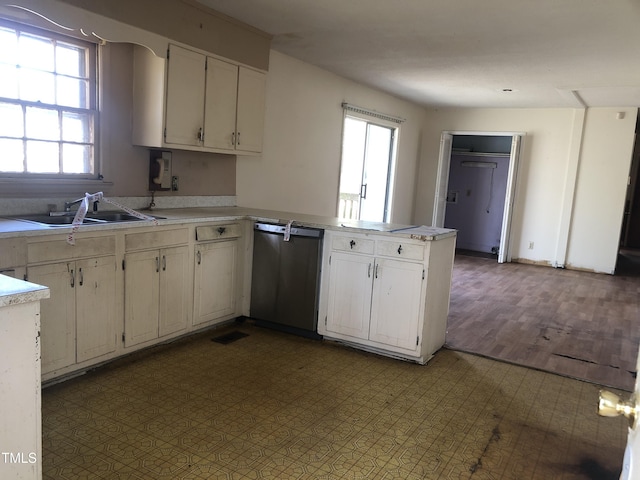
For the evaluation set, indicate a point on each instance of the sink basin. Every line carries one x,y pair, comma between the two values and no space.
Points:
61,220
112,217
65,220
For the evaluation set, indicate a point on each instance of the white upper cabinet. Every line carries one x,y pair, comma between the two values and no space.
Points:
250,111
209,104
184,117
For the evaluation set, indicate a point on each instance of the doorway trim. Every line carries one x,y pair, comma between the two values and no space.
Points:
442,183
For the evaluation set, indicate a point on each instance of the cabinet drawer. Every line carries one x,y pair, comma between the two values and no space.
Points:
56,250
155,239
352,244
215,232
13,252
400,249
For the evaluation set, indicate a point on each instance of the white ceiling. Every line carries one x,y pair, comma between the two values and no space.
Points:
463,53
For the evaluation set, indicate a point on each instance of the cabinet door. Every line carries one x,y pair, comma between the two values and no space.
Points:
95,307
141,296
215,281
220,104
174,278
250,110
395,310
350,294
57,314
184,116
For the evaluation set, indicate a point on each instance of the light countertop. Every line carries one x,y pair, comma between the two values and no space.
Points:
14,291
10,227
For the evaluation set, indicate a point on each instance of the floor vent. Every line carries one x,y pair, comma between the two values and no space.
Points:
229,337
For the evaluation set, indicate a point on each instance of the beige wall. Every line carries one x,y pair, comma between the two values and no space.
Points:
300,166
546,181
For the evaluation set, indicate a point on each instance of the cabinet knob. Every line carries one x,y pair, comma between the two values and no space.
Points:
399,249
221,230
200,135
352,244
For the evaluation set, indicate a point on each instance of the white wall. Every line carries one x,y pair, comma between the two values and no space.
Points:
603,171
300,166
545,173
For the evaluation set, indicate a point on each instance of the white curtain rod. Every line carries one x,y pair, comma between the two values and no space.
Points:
372,113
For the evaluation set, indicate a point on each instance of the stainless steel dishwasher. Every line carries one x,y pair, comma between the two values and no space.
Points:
286,277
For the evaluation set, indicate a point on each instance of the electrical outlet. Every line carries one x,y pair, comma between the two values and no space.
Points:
174,183
530,245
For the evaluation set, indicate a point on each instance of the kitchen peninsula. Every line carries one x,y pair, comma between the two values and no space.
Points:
130,285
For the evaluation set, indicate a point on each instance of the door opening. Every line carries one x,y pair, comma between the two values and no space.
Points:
628,262
475,189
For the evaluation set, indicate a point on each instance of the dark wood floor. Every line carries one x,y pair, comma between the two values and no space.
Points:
577,324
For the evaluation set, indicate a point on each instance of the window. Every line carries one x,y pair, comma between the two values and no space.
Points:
47,104
368,152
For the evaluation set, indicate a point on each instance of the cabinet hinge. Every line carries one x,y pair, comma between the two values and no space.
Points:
329,259
417,340
423,273
325,321
168,50
123,264
122,337
165,134
206,64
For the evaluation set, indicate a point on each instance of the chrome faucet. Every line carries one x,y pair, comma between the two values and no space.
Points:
68,205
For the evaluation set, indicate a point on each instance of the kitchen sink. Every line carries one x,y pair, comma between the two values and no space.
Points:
112,217
63,220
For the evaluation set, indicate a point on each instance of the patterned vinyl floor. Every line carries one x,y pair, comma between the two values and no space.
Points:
275,406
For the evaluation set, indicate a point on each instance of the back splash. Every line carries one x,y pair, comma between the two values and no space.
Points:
21,206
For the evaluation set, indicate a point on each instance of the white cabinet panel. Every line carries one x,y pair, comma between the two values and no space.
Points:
350,294
95,307
174,275
142,293
395,311
185,97
58,315
215,281
250,110
220,105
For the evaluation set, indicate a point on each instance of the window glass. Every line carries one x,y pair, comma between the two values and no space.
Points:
47,103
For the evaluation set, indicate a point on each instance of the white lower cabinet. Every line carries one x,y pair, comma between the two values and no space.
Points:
156,294
215,273
78,320
395,306
387,295
350,291
375,299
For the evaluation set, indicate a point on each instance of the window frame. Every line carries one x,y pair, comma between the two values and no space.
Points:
35,182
